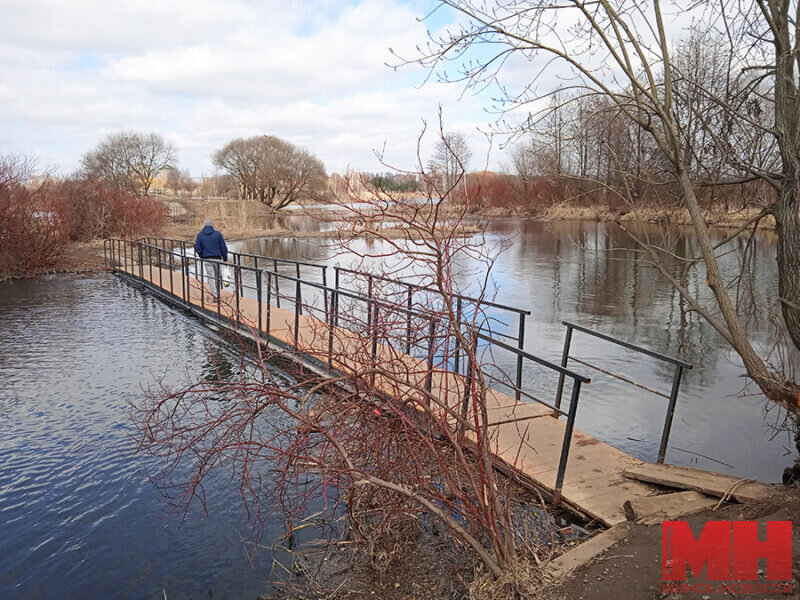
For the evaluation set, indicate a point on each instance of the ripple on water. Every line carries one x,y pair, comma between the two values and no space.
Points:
77,516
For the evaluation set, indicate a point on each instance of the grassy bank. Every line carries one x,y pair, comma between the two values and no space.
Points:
717,217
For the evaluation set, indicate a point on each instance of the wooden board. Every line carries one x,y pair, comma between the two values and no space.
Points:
667,507
707,482
580,555
526,439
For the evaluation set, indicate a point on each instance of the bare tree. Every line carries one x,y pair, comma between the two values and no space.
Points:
621,52
450,159
400,440
130,160
174,180
271,170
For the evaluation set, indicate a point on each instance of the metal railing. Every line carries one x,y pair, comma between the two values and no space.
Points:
672,397
465,306
428,335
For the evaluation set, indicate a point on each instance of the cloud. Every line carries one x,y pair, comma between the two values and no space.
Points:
203,73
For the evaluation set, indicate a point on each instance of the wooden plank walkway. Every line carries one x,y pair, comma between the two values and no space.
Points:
526,438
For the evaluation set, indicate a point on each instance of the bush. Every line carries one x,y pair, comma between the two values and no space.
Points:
496,190
39,218
96,210
33,231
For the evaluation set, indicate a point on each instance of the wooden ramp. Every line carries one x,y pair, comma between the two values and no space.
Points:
526,438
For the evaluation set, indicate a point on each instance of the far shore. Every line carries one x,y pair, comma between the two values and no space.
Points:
235,219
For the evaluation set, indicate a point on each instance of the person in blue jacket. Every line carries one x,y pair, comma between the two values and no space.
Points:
210,245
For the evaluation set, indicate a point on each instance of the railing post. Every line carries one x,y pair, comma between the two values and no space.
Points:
218,282
336,279
564,360
241,277
277,289
565,446
269,311
324,285
125,250
520,345
184,278
189,278
457,362
673,398
429,378
237,281
141,260
106,245
202,282
160,270
150,262
297,299
171,270
185,257
331,318
259,275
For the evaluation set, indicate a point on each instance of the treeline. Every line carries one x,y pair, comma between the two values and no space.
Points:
262,168
587,147
393,182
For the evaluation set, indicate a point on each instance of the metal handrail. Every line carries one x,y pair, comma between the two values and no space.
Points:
114,249
479,301
184,243
672,398
628,345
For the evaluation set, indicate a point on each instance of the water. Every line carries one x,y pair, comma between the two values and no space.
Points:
78,517
590,274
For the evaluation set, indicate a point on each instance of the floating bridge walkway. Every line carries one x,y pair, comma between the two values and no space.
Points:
292,304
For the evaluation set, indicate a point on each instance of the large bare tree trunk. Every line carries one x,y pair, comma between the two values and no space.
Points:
784,392
788,228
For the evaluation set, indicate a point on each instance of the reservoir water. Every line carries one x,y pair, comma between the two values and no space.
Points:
80,519
78,516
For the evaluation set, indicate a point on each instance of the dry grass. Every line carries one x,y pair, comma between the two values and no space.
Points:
675,216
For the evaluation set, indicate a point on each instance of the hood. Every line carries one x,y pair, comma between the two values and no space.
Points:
207,230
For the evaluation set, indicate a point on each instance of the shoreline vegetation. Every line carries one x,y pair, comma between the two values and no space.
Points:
238,219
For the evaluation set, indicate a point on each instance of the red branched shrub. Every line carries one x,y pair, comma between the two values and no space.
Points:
40,215
33,231
96,210
497,190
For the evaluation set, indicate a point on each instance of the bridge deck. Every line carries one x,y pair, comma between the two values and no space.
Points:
526,438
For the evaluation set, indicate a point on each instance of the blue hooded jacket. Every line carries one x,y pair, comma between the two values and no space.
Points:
210,243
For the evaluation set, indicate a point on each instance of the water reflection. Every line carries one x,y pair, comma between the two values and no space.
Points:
593,274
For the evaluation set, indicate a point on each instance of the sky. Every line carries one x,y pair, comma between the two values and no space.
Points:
204,72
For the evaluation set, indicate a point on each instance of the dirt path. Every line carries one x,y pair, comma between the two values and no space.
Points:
632,568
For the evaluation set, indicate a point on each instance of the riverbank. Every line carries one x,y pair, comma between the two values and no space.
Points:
78,257
629,568
632,567
717,217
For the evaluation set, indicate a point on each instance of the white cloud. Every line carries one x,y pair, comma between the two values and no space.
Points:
203,73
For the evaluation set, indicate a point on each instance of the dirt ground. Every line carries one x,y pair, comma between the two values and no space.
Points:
632,568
